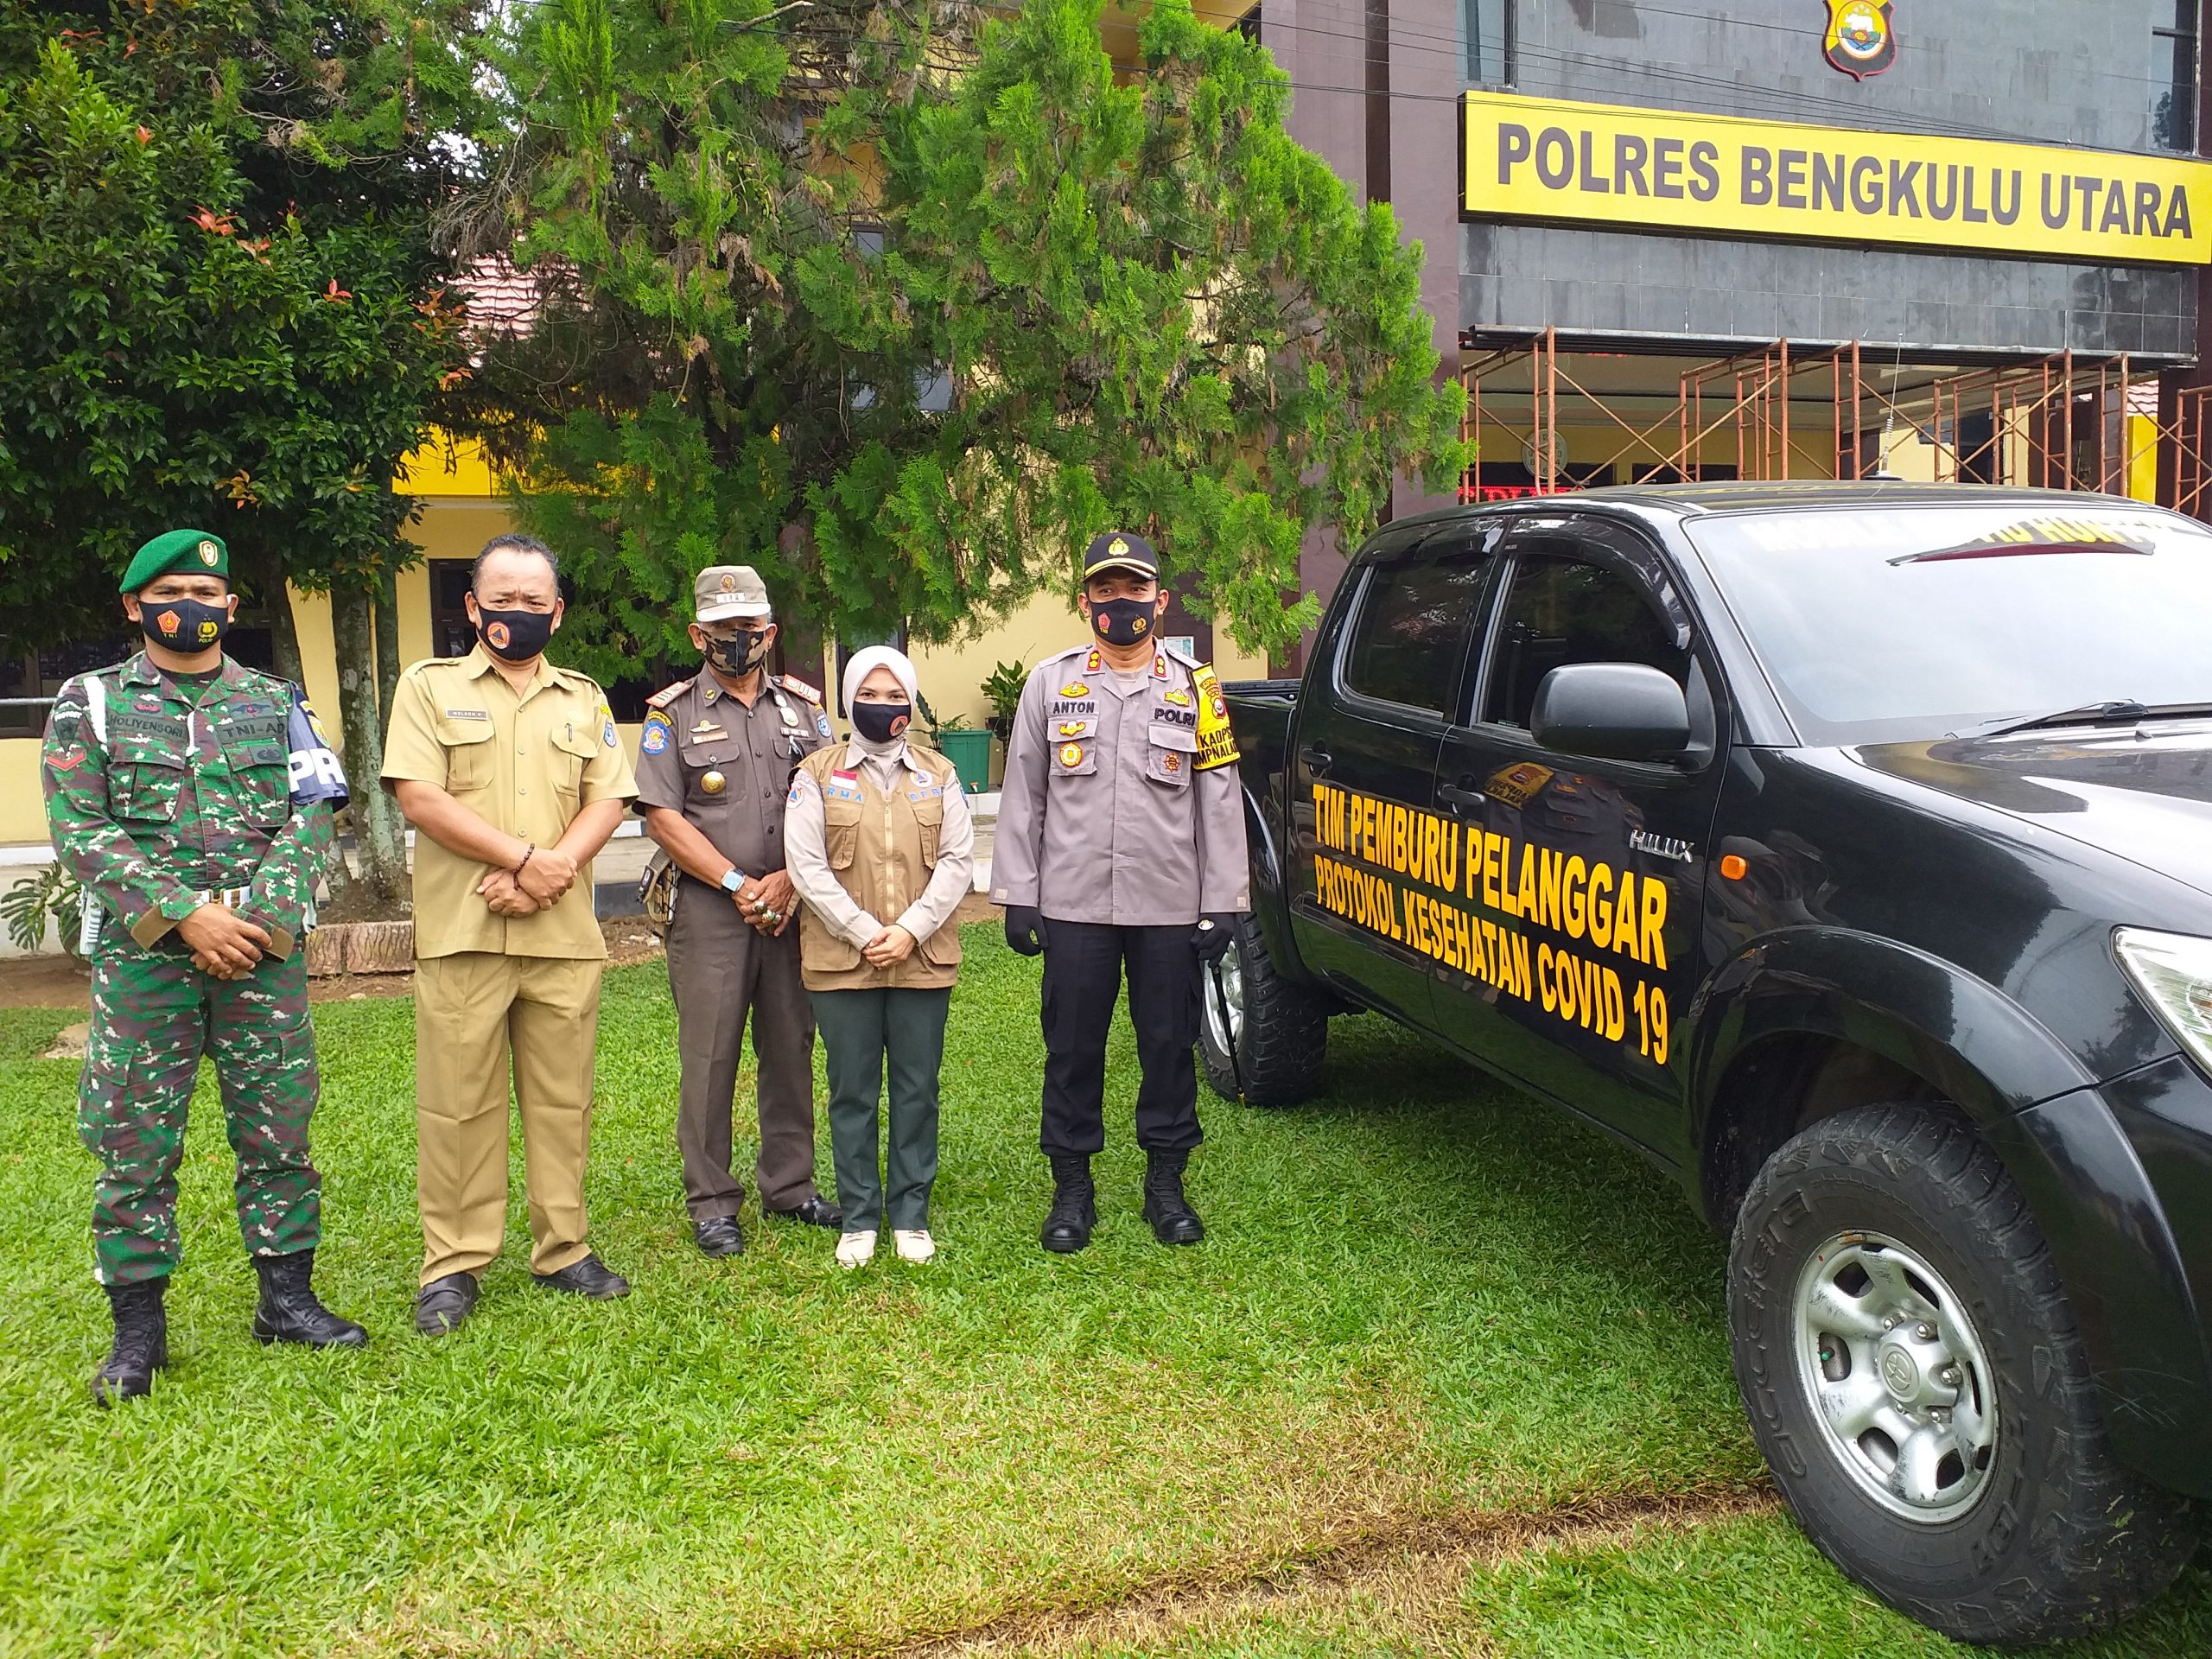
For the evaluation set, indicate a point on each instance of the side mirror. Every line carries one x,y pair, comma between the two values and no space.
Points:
1611,711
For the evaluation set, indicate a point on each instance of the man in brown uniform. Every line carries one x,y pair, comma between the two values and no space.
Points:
513,775
1121,843
714,766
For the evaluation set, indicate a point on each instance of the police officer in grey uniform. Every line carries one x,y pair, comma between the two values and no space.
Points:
1120,846
714,766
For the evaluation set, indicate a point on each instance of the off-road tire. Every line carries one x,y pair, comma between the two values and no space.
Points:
2060,1539
1286,1030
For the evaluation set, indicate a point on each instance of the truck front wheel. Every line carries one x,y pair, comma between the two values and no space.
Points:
1917,1385
1279,1030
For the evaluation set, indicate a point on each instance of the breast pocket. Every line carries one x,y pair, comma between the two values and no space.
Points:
929,820
1168,755
146,789
840,827
572,748
468,743
1074,757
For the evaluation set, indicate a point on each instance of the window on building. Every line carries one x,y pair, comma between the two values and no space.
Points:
1562,611
2173,74
1249,25
1490,41
1407,638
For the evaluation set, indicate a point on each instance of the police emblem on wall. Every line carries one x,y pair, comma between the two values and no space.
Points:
1861,39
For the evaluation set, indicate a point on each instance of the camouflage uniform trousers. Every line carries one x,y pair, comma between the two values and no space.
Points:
154,1015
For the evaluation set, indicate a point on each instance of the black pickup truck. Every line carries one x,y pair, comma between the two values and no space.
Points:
1847,849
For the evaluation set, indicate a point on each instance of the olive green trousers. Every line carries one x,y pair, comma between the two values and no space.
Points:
861,1030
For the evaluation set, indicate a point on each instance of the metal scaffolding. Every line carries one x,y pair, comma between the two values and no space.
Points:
2059,421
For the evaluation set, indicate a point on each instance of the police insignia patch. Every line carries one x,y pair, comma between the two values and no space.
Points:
1177,696
1072,727
1172,763
1070,754
1075,688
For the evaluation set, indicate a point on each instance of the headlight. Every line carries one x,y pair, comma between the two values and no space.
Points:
2172,973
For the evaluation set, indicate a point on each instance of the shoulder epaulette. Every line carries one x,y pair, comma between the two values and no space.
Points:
1188,659
576,677
667,694
799,688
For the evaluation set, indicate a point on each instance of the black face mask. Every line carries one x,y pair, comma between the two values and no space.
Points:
1122,622
741,653
184,625
514,635
879,722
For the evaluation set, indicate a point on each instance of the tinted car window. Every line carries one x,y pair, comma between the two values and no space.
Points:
1902,624
1564,610
1413,620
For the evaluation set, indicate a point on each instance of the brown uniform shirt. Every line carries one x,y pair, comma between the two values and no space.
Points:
727,768
525,765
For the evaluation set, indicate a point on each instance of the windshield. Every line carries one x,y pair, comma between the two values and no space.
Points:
1897,624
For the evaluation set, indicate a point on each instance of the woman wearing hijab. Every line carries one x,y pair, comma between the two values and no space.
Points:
877,829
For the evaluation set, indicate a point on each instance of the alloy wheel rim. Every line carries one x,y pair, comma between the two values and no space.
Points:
1897,1375
1231,970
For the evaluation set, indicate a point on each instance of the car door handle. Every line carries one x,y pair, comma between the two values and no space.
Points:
1461,797
1317,760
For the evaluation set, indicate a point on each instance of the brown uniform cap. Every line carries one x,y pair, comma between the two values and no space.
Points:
724,591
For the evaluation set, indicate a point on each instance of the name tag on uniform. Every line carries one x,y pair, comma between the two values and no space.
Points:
468,714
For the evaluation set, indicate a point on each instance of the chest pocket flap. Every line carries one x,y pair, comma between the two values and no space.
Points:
1169,755
575,742
928,804
1074,757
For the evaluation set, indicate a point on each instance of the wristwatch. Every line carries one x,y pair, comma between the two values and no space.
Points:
731,880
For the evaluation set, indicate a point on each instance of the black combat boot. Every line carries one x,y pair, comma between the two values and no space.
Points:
142,1342
289,1311
1174,1221
1074,1207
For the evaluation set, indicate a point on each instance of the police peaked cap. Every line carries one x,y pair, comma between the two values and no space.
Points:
195,552
1120,549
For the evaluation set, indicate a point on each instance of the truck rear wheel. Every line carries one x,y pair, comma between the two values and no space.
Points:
1917,1385
1279,1030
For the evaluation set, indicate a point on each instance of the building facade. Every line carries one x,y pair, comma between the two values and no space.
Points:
1718,238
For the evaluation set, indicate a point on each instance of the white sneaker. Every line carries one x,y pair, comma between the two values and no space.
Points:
855,1250
915,1244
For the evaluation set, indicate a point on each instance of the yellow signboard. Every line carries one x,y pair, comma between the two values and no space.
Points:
1544,158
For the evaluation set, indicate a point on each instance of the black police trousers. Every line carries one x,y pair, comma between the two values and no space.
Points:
1083,977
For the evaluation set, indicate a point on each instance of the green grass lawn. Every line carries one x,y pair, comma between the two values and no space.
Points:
1423,1298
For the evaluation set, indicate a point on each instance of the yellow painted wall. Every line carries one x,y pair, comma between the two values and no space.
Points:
22,801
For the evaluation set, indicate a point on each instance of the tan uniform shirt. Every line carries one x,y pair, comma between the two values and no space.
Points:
1105,816
727,768
525,764
877,837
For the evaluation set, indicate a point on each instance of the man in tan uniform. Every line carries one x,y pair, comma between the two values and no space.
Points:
715,765
1120,842
510,771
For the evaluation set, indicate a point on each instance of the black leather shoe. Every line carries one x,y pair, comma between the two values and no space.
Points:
142,1342
1075,1207
445,1304
1174,1221
589,1277
816,1211
719,1236
291,1311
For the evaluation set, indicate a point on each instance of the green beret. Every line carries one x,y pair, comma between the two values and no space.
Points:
191,550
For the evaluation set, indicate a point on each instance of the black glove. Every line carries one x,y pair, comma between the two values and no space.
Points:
1214,934
1025,929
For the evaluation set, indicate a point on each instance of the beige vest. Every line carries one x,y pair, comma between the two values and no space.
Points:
882,850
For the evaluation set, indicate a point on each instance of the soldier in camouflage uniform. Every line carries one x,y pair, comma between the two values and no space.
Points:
192,797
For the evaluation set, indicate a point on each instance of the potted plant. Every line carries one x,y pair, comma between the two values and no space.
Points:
1003,689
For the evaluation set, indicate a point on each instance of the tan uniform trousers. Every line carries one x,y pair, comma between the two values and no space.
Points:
472,1011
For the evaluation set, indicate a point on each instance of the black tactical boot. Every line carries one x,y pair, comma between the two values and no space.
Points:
1074,1208
289,1311
1174,1221
142,1342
